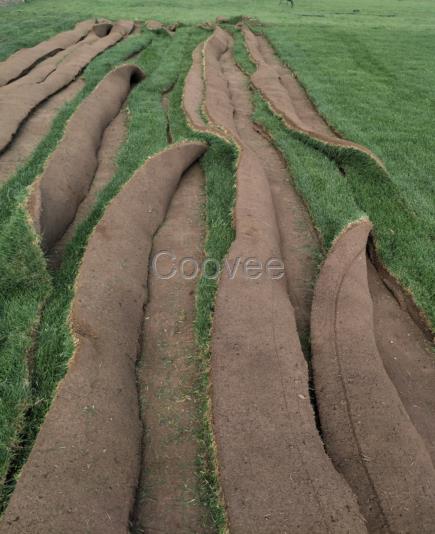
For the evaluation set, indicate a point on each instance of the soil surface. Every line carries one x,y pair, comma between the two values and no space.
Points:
407,357
82,473
167,499
20,63
34,130
299,241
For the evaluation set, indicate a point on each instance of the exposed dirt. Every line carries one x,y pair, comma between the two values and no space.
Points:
111,141
274,472
281,89
25,59
193,94
68,174
82,472
19,98
407,357
299,241
34,130
366,428
167,499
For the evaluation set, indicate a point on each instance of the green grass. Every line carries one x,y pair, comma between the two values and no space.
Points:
382,82
306,14
25,282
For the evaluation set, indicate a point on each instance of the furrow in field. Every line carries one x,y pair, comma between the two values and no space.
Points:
366,429
167,496
19,98
23,61
69,172
275,474
82,472
282,91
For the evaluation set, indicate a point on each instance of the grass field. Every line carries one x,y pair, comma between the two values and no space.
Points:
369,70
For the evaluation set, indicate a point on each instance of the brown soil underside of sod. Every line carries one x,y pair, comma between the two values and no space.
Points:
407,357
366,429
274,471
167,499
111,141
299,242
82,472
19,98
69,172
24,60
34,130
281,89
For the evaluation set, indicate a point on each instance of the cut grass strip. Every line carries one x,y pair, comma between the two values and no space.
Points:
324,189
219,165
25,282
146,136
316,178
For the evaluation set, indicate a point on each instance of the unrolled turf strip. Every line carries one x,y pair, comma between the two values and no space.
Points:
19,98
25,59
274,472
366,429
82,472
68,173
282,91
